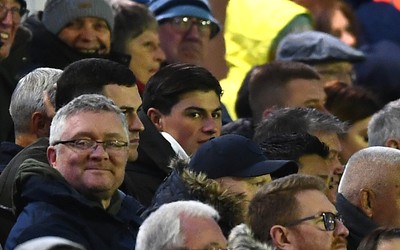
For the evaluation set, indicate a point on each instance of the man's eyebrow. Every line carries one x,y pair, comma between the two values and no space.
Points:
202,109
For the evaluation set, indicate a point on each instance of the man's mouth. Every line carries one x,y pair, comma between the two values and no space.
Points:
4,36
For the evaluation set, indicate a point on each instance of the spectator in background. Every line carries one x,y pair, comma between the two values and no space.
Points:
186,28
369,192
67,31
382,238
136,34
181,225
383,129
32,108
330,57
320,124
291,213
11,13
335,17
355,106
277,85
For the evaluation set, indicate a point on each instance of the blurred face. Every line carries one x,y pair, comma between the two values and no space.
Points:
247,186
356,138
194,120
332,162
386,202
311,234
146,55
305,93
88,35
389,244
128,100
9,22
341,28
201,233
95,172
185,40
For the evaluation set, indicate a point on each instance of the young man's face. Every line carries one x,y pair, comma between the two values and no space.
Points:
194,120
129,101
9,23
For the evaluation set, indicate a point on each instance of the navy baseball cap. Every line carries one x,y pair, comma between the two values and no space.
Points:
164,9
237,156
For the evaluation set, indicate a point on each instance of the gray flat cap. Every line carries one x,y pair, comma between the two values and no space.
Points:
315,47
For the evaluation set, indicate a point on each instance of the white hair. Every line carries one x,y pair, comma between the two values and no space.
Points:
162,229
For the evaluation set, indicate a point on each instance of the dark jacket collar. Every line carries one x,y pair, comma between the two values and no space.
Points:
355,220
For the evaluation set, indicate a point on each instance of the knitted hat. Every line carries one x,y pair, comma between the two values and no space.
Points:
164,9
58,13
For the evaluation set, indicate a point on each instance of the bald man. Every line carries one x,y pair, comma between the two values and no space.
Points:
369,192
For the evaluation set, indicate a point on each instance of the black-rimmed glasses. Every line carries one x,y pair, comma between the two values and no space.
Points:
330,220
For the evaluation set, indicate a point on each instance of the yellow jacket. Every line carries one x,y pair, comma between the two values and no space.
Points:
250,29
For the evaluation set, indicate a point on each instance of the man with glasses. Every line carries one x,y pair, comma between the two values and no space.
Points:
78,198
292,213
11,12
186,28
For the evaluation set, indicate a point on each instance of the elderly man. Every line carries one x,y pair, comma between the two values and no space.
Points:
369,192
291,213
186,28
78,199
31,108
181,225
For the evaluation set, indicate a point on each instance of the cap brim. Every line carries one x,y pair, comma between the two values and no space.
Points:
276,168
193,11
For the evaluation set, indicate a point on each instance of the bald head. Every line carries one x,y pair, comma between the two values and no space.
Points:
374,168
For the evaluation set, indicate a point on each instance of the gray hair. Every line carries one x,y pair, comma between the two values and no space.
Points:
162,229
298,120
384,124
84,103
28,96
370,168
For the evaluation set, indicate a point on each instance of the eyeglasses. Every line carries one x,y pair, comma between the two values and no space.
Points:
16,12
111,146
183,24
329,219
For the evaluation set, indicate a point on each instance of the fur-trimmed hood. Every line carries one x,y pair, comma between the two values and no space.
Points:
185,184
241,238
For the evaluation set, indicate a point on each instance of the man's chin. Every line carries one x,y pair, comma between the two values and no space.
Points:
133,156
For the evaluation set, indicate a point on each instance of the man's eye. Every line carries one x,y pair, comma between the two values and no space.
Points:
216,115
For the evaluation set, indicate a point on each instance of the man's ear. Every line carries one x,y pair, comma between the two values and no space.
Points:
156,118
280,236
52,156
267,111
40,124
392,143
366,199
